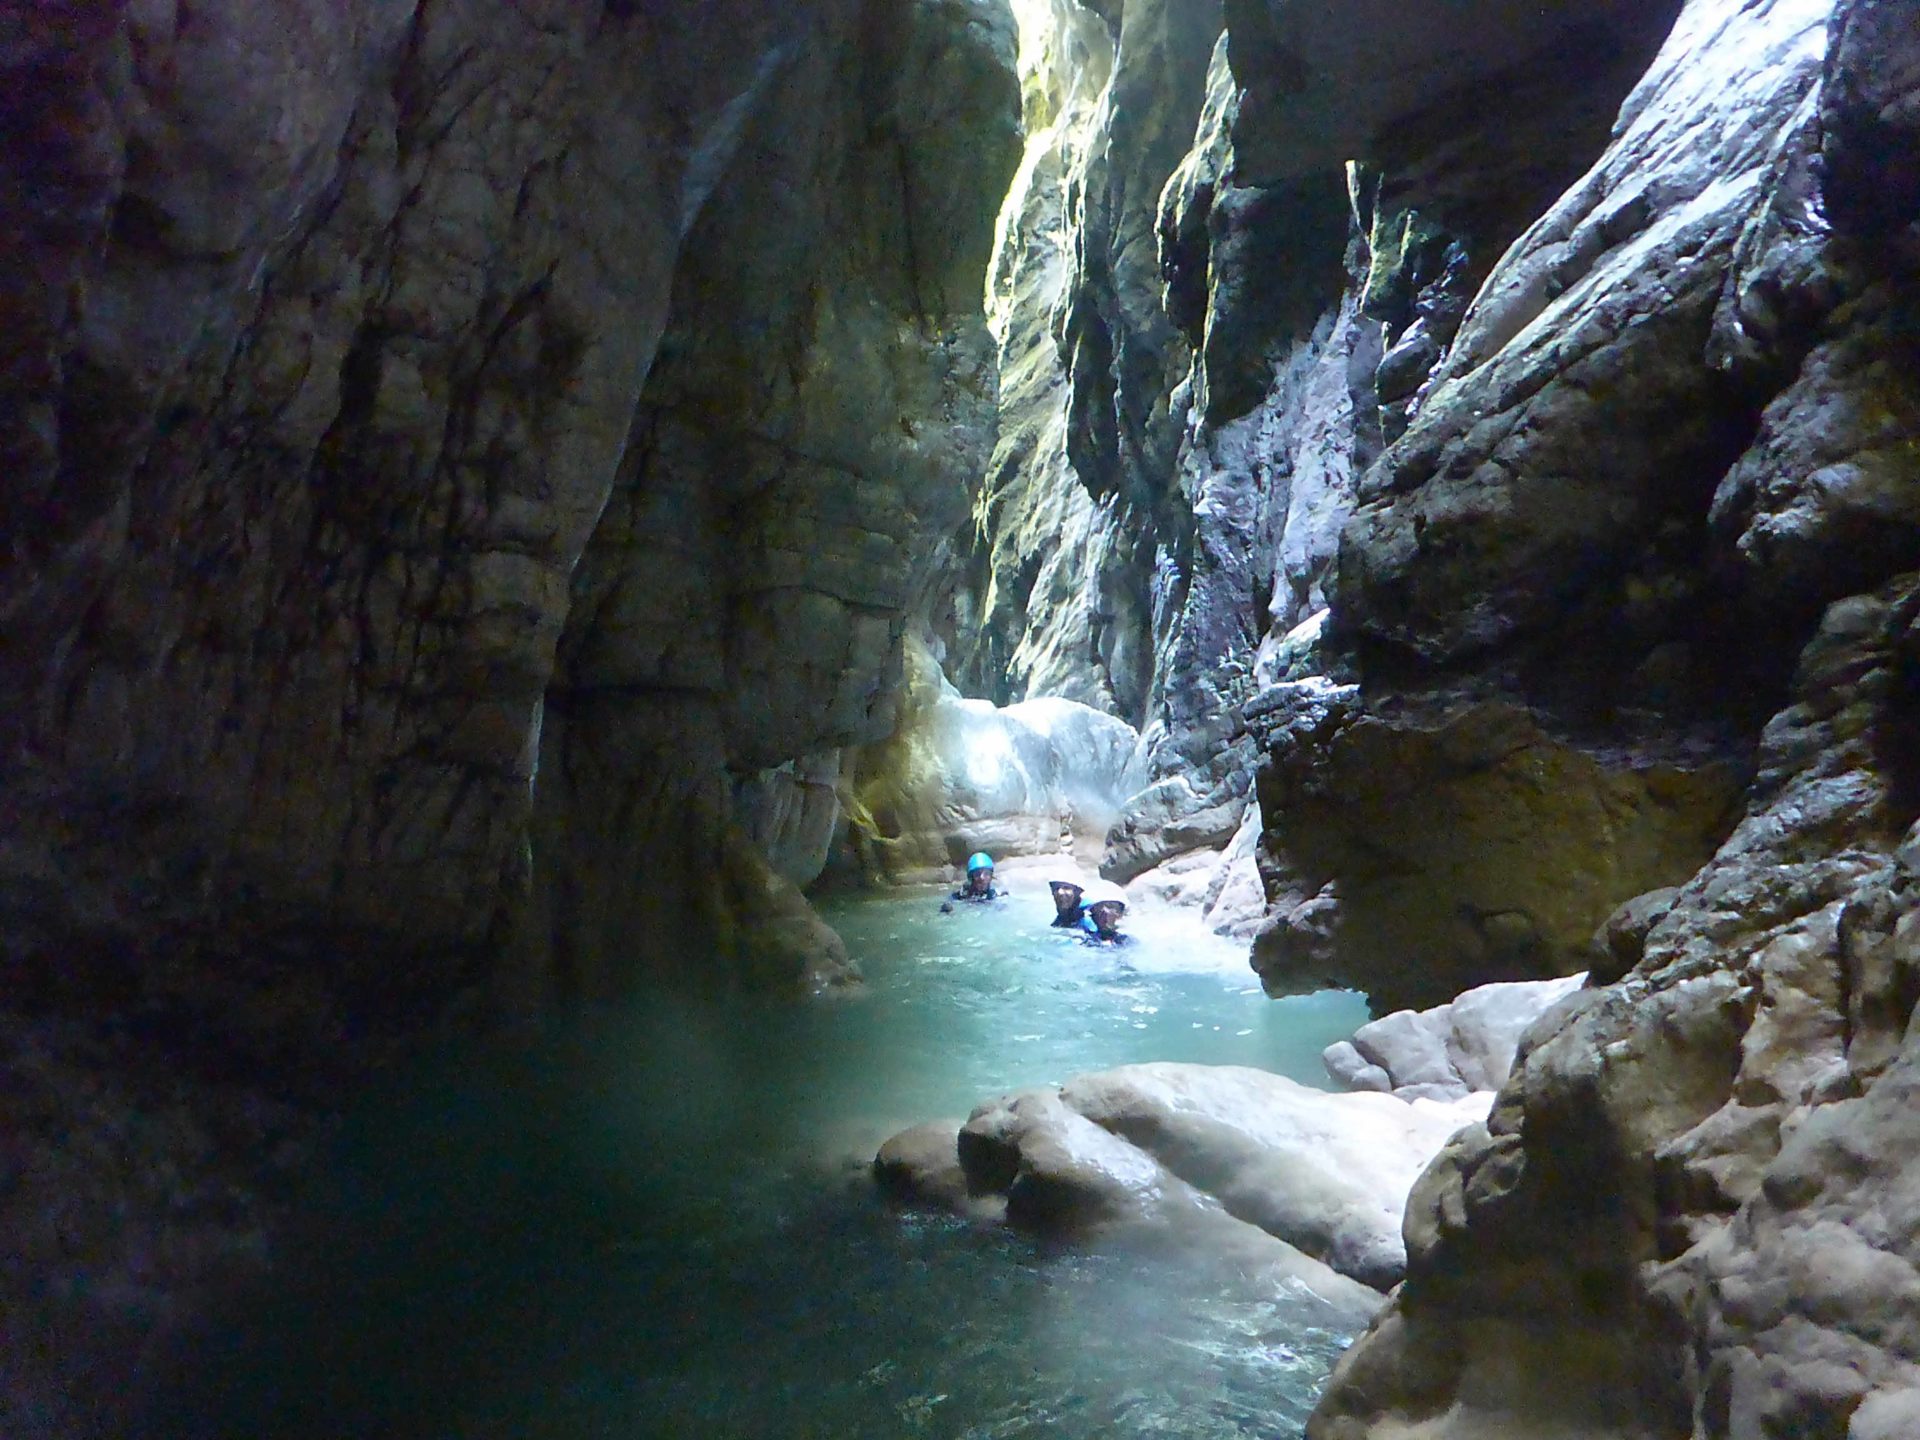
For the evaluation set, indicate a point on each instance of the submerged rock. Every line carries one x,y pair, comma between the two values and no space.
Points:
1196,1156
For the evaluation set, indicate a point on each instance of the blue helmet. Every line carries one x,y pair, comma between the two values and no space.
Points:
979,860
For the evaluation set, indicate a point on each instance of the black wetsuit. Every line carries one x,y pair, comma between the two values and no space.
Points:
1070,920
992,893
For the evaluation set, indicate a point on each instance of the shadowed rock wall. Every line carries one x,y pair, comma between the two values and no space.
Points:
333,473
452,449
821,410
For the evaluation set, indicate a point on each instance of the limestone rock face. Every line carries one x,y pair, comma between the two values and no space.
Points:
1122,560
341,510
792,813
1224,884
821,410
1460,847
1681,1215
1203,1156
1192,334
960,775
1678,1154
1056,599
1188,344
1542,591
1403,86
1824,501
1516,506
455,454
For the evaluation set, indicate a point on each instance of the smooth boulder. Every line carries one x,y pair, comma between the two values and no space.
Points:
1211,1158
1451,1050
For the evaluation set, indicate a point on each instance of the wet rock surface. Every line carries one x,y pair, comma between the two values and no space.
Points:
1215,1159
1056,597
463,457
1041,777
1663,1121
1224,884
379,424
1426,853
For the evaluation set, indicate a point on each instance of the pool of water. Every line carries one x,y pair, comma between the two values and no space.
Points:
659,1223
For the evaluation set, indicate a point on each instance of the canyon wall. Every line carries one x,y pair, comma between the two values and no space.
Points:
1210,326
1527,522
1667,478
468,466
396,380
472,467
431,415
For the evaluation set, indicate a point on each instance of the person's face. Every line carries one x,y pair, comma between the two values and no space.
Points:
1106,916
1065,898
980,881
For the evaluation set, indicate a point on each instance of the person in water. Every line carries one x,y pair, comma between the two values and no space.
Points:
1103,903
979,887
1068,911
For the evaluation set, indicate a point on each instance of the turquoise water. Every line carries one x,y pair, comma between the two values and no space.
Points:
660,1224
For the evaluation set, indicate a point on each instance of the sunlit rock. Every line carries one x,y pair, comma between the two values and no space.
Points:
1169,819
961,775
1521,505
1224,884
1675,1221
1353,1071
1451,1050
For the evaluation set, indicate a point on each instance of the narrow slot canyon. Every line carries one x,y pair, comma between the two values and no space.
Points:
960,718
